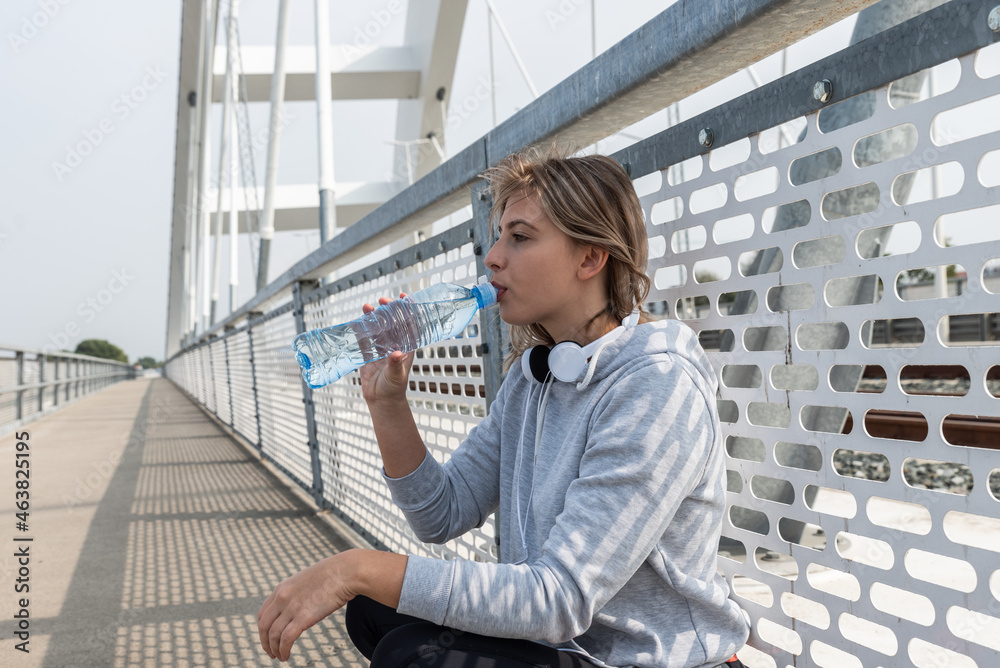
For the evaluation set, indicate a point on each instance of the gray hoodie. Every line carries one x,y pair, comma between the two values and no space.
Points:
621,498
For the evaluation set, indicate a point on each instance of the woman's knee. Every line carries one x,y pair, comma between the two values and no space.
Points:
422,645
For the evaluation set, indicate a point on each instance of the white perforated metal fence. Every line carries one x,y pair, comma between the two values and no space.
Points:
840,260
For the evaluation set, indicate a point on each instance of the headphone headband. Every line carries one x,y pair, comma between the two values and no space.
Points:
567,360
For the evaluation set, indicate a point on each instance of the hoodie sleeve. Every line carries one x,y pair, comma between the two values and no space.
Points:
647,448
441,502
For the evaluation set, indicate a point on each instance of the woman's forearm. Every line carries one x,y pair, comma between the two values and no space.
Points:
398,438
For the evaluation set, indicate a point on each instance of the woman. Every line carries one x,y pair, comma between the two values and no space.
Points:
609,478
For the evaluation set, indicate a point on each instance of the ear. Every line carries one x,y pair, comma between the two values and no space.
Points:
591,262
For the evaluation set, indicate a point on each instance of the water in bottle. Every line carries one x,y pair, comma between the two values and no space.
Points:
433,314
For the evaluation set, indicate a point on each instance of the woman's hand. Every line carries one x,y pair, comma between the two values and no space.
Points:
385,380
301,601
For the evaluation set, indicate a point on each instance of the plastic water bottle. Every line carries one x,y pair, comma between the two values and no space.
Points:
433,314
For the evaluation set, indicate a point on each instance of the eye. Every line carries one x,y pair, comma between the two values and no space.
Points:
518,237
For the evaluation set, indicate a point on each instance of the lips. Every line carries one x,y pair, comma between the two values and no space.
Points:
501,290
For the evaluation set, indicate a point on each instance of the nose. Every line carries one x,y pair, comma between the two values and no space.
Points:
493,258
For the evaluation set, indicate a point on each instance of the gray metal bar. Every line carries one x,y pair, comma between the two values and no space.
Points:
253,376
55,384
229,383
687,47
20,381
41,378
955,29
307,396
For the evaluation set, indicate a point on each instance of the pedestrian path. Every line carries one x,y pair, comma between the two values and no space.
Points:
155,538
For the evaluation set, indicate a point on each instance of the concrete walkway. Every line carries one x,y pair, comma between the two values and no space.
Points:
156,537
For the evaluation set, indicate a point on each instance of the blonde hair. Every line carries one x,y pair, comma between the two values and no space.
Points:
591,199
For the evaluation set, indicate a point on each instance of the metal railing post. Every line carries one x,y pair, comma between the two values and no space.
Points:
253,378
20,381
41,379
229,380
307,393
55,377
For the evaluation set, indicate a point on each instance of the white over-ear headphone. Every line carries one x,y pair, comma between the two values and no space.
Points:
568,360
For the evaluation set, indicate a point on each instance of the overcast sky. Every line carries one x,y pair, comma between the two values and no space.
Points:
85,234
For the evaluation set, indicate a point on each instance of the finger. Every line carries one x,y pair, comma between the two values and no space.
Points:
367,308
265,620
274,636
289,635
383,301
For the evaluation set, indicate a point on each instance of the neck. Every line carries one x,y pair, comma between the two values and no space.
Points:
589,330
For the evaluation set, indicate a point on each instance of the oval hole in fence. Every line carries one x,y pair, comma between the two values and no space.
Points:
938,476
798,455
772,489
895,425
864,550
975,329
934,380
763,261
849,202
749,519
907,90
712,270
730,548
966,121
692,308
708,198
972,431
822,336
734,482
764,414
895,333
815,166
787,216
685,171
794,377
819,252
782,565
648,184
805,610
940,570
756,184
741,375
847,112
743,302
988,61
864,378
688,239
927,655
868,634
972,226
795,297
988,170
782,136
729,412
657,246
717,340
802,533
901,603
899,515
853,291
972,530
827,656
753,591
729,155
860,464
736,228
760,339
897,142
667,211
918,186
974,626
779,636
826,419
745,448
829,501
993,381
833,582
674,276
897,239
990,276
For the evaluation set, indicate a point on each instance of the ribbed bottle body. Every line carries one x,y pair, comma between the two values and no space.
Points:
437,313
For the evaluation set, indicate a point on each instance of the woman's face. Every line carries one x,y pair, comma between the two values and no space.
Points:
535,270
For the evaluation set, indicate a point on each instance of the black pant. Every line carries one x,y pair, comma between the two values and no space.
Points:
391,640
